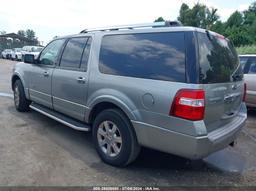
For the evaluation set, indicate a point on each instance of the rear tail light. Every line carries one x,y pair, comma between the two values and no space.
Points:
245,88
189,104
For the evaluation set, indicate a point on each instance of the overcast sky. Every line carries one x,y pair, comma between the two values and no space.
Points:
49,18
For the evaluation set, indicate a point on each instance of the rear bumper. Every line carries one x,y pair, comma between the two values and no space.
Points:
187,146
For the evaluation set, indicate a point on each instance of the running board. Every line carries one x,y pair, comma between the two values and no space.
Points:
74,124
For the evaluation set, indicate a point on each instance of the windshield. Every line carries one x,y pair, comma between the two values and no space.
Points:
218,59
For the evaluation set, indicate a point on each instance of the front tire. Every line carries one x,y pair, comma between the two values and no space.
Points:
114,138
20,101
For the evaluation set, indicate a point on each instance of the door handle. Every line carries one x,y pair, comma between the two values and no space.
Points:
81,80
231,97
46,74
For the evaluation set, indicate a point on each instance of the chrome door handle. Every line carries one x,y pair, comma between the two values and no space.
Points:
46,74
81,80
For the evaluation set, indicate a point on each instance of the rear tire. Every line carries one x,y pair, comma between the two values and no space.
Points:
114,138
20,101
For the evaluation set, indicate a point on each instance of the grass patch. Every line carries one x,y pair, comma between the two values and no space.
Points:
249,49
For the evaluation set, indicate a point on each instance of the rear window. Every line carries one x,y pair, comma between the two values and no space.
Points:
218,60
159,56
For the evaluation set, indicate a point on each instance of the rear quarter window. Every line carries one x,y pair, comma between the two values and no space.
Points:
218,60
159,56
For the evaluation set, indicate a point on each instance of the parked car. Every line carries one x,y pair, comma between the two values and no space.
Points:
35,50
16,54
249,66
176,89
6,53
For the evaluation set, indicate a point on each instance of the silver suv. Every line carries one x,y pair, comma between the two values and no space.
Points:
171,88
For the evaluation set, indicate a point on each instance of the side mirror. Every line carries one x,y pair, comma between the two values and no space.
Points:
29,58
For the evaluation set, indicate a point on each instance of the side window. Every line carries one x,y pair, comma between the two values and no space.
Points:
86,54
50,54
159,56
250,66
243,61
252,69
245,64
73,52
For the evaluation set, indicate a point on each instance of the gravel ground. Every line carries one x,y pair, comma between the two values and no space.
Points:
38,151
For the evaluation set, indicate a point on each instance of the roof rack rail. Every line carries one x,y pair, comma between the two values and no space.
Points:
136,26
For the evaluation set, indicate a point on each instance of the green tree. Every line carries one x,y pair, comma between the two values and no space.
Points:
238,35
218,27
252,8
252,31
211,17
199,16
30,34
235,31
240,27
184,14
2,32
250,21
235,19
21,33
159,19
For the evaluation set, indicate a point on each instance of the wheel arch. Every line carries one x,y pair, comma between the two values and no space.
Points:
16,77
106,103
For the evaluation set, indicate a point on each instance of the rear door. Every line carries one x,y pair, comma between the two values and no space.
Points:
250,80
221,76
70,78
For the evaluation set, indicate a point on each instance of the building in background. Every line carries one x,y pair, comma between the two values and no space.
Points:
12,40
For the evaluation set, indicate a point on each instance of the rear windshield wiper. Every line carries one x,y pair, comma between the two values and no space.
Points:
208,35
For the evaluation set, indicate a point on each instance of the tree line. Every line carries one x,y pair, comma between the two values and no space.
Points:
15,43
29,33
240,27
